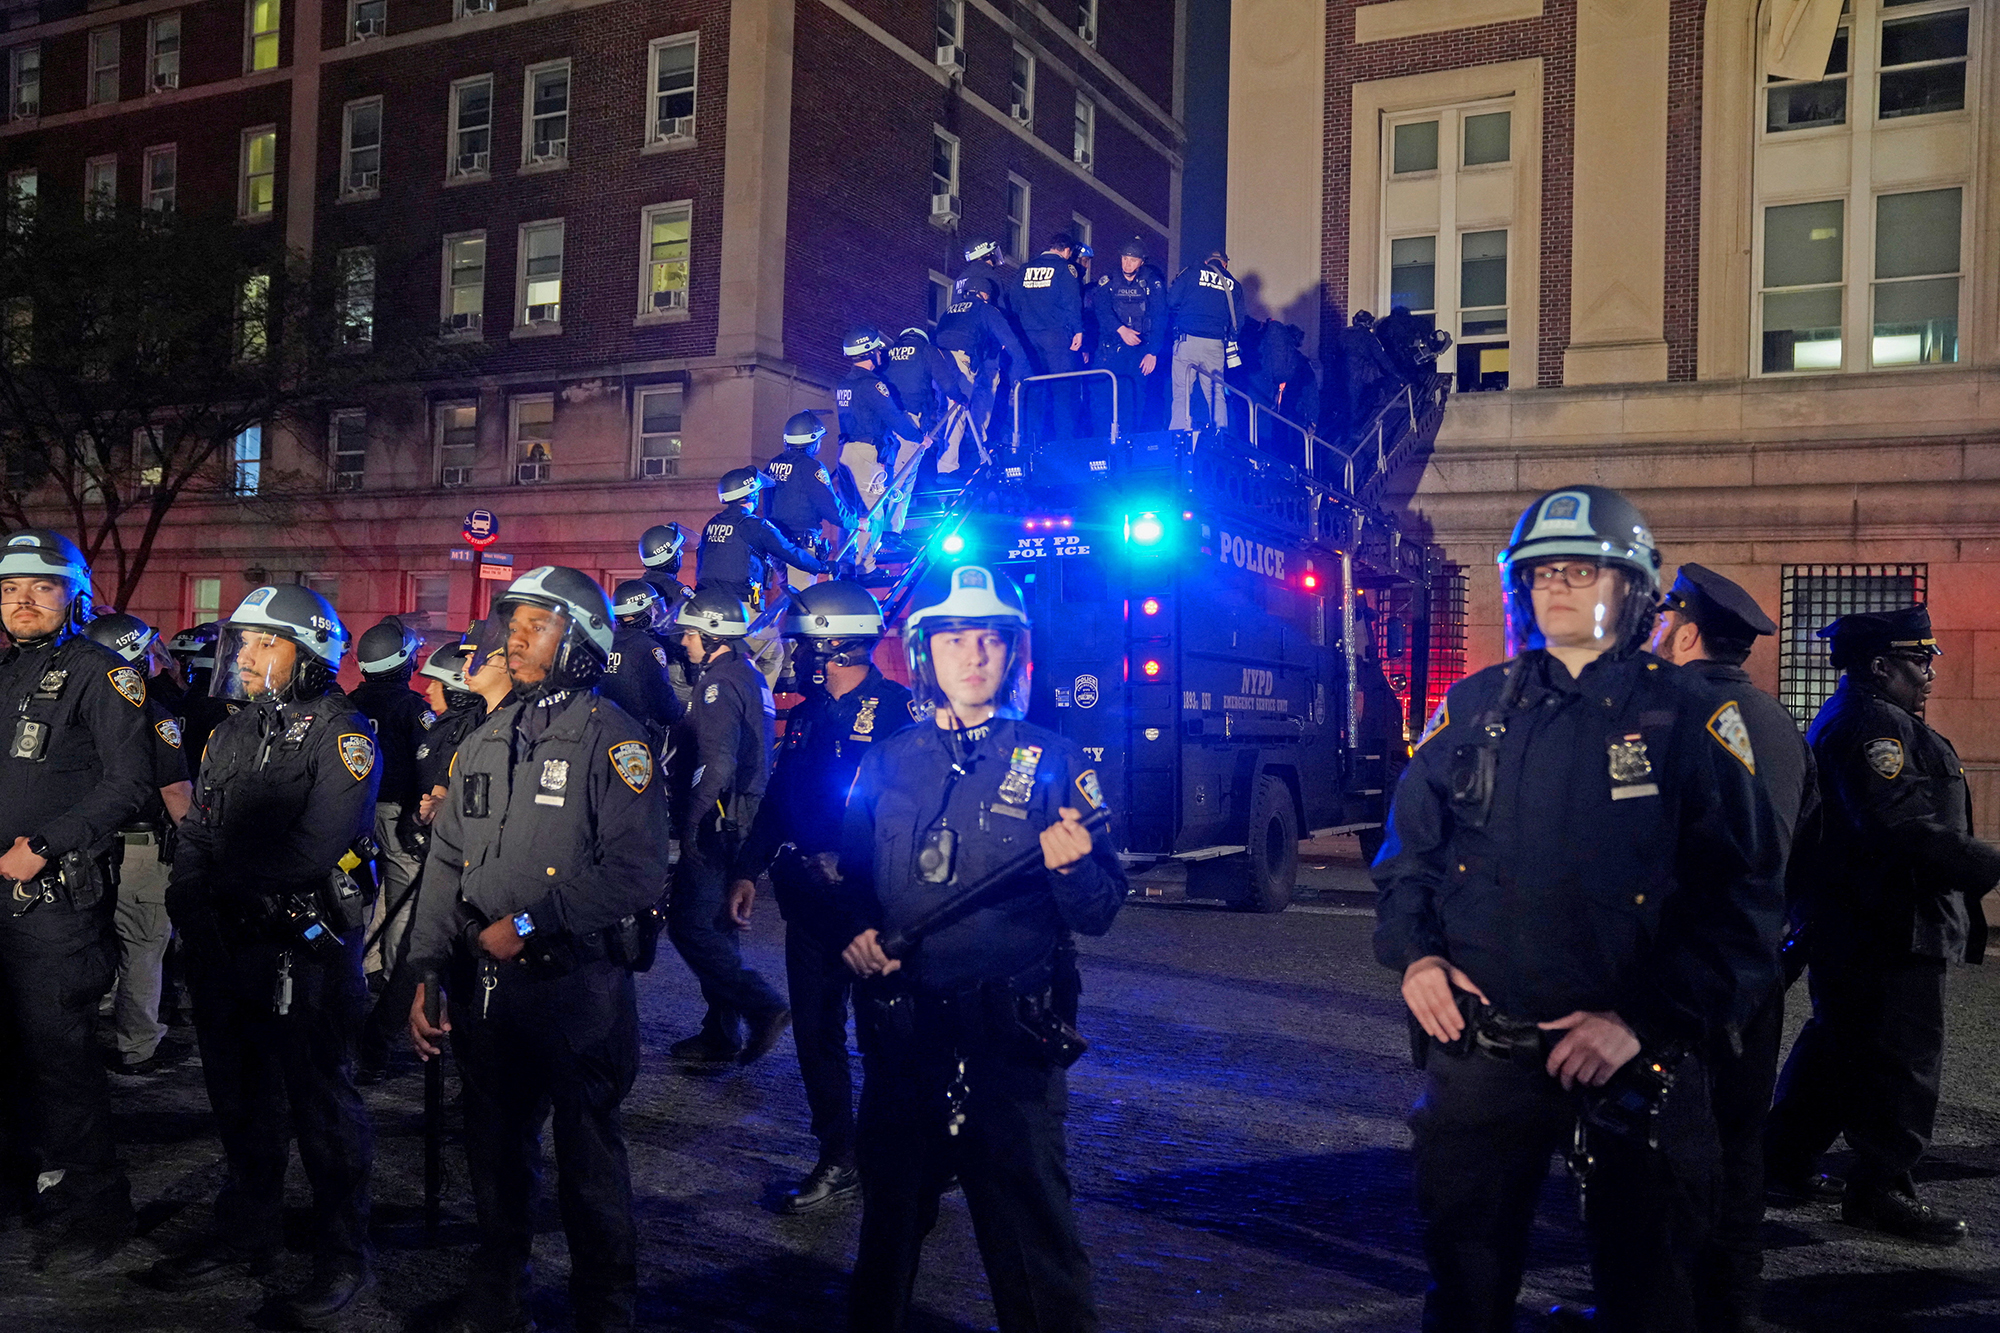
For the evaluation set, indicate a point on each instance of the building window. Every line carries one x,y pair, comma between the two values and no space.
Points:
1452,274
1916,278
1804,248
103,67
670,111
1021,88
349,437
457,441
937,295
357,296
204,599
665,240
429,601
949,21
163,52
657,419
541,275
263,35
1812,596
1923,63
533,433
1018,192
100,185
361,150
1086,21
162,173
944,177
466,9
1079,227
1084,146
253,316
326,585
367,18
464,284
257,183
1810,104
545,140
247,461
24,78
471,137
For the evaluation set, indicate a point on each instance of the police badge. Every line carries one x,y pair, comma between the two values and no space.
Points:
1630,767
864,721
555,777
711,694
51,686
296,729
1019,783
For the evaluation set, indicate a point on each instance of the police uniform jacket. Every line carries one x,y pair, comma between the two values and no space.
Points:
635,678
1138,303
572,776
1784,760
1047,297
802,497
1201,302
435,754
170,764
997,786
825,739
1629,861
869,411
731,543
402,721
980,330
285,789
1900,871
922,377
731,726
78,756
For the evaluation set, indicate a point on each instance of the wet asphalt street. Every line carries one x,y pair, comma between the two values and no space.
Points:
1238,1154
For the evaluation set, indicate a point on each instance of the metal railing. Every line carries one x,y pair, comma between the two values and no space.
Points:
1050,378
1396,421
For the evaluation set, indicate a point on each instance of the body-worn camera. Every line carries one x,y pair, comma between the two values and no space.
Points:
935,855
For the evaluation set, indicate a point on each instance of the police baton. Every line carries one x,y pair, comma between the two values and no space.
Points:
433,1119
902,942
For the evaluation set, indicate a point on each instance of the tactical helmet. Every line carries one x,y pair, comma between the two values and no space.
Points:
920,334
714,615
739,483
194,647
981,250
39,553
840,619
969,597
446,665
804,429
291,611
861,341
660,546
128,636
1586,523
637,604
586,647
1135,248
981,284
387,648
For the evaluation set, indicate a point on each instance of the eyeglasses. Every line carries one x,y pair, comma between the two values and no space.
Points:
1576,576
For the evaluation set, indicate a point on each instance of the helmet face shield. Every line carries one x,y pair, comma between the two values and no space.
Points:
1008,678
253,662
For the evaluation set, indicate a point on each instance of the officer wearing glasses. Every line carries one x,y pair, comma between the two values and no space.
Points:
1894,897
1579,875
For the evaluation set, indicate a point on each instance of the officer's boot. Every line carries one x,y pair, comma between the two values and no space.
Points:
81,1223
336,1283
1896,1213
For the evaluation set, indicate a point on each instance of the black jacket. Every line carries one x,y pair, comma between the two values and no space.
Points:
402,722
1047,297
1629,862
446,734
1899,870
731,544
77,749
801,495
554,810
981,331
869,411
636,680
1016,777
285,790
1138,303
1202,303
922,377
731,726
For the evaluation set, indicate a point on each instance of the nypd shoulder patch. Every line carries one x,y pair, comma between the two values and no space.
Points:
1728,728
660,656
1090,789
711,694
169,729
1440,719
129,684
427,719
357,752
1885,756
633,763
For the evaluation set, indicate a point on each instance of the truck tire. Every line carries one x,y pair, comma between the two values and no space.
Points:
1260,879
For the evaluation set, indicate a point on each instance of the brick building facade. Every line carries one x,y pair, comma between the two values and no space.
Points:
649,220
1763,307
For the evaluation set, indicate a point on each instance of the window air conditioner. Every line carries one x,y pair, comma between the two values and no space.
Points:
456,476
364,180
470,163
944,208
549,313
670,300
656,467
478,7
550,150
165,79
465,321
674,127
529,473
951,59
1088,31
1083,158
366,28
1020,113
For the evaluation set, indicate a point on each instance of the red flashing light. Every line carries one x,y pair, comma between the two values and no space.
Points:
1151,669
1312,580
1151,606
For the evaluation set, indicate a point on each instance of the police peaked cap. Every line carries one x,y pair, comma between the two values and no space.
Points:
1719,608
1865,634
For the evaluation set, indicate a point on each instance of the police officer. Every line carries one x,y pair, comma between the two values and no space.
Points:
1202,305
802,496
1048,302
636,675
470,680
140,877
531,941
1708,626
976,335
272,924
983,260
796,836
76,767
1895,895
1130,309
873,425
736,542
718,784
925,380
660,552
387,655
194,649
1538,903
965,1046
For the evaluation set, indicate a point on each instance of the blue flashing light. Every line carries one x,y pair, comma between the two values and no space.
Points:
952,544
1147,530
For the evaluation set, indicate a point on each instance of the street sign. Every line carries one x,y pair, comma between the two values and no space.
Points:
463,555
497,573
482,528
495,558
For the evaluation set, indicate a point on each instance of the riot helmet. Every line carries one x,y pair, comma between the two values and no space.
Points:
194,647
387,649
37,553
979,250
1583,523
585,613
969,597
288,611
739,484
916,332
660,547
1132,249
446,665
804,430
861,342
126,635
980,285
840,619
637,604
714,615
